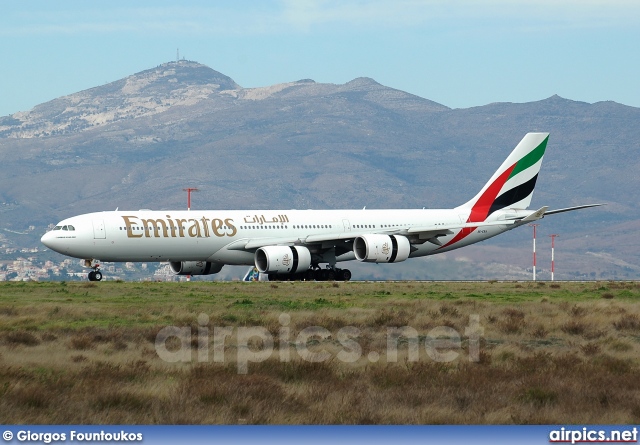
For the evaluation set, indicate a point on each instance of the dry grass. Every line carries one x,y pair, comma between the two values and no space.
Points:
72,353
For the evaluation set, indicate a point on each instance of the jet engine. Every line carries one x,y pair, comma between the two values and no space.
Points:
195,267
282,259
377,248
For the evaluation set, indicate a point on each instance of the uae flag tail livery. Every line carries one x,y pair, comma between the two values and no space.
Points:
511,186
513,183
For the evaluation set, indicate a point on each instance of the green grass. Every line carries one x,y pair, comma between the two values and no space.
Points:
550,353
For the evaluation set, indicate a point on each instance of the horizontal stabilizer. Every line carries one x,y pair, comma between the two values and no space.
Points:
569,209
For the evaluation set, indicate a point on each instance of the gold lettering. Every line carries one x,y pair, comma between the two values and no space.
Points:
216,225
148,231
229,223
154,225
194,230
128,223
180,227
205,224
172,227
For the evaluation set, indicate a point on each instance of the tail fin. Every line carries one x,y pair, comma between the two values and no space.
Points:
512,184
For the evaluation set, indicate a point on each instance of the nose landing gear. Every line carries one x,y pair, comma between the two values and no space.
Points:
95,274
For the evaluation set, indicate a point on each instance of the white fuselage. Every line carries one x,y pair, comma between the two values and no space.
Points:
222,236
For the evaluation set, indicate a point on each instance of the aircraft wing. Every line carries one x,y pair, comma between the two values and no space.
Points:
417,234
421,234
432,233
338,238
253,244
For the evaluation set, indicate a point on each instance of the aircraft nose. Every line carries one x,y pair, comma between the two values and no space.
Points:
54,243
46,239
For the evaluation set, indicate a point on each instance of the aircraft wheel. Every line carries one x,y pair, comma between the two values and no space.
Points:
92,276
346,274
309,275
97,275
330,275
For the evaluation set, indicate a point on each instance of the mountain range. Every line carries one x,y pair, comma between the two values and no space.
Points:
139,141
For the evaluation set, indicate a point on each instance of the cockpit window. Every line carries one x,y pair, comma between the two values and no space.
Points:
67,227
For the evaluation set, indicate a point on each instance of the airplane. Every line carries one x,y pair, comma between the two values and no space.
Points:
292,244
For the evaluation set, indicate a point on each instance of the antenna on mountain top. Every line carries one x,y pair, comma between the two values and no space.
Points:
177,54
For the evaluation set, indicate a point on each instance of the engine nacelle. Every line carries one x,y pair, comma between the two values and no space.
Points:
195,267
377,248
282,259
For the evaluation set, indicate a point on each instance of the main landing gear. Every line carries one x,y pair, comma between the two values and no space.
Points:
317,274
95,274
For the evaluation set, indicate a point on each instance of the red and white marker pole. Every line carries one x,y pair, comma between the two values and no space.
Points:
553,239
534,249
189,190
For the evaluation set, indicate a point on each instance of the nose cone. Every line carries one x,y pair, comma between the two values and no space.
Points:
48,240
53,242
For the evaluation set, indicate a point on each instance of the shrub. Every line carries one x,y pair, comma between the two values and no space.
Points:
81,342
627,322
573,328
590,349
22,338
540,332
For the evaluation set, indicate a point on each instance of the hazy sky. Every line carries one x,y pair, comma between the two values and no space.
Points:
460,53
